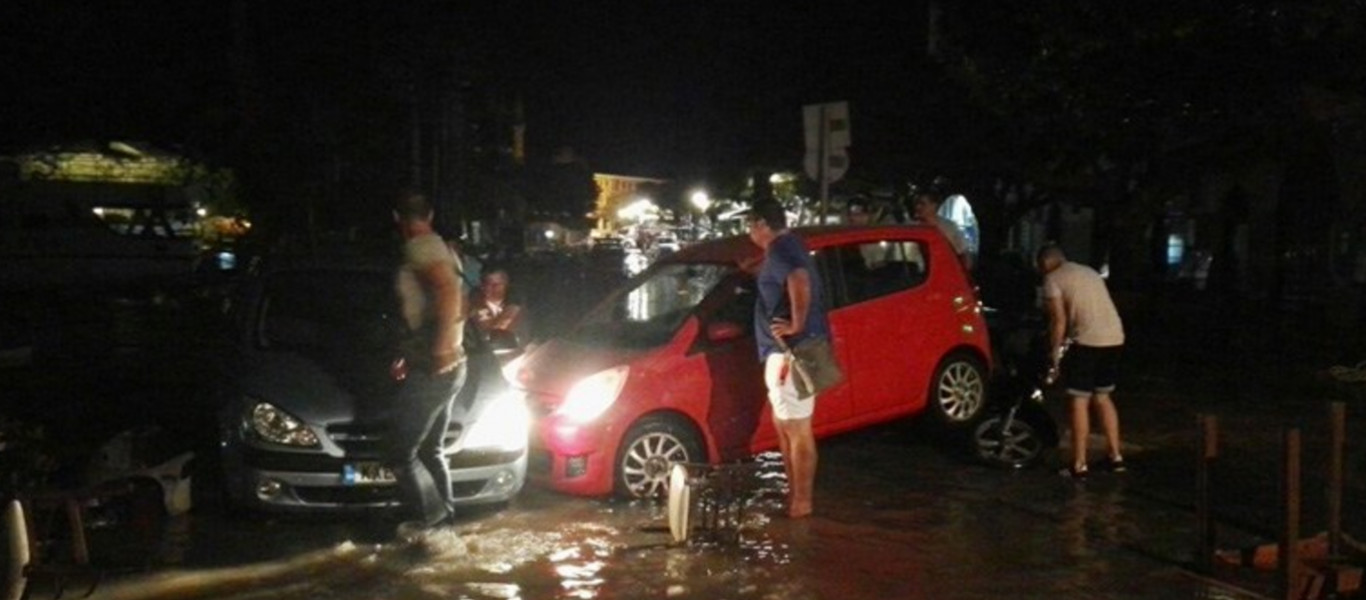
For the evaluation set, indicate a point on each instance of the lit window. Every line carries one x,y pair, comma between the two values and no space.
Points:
1176,249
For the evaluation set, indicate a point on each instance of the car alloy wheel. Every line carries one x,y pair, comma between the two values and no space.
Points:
1014,444
648,452
958,392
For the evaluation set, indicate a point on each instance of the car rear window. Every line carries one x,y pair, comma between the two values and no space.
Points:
878,268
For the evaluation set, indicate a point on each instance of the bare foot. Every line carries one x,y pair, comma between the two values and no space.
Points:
799,510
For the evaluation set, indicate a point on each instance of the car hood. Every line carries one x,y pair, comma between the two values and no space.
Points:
314,392
552,368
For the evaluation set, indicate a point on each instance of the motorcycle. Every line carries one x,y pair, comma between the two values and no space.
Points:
1016,430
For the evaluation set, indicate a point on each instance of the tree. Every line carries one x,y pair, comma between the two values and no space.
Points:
1115,100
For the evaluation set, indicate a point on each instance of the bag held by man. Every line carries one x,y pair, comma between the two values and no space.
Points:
813,366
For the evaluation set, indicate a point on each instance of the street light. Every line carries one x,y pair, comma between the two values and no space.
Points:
701,200
638,210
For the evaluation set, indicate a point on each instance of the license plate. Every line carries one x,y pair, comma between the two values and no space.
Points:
366,473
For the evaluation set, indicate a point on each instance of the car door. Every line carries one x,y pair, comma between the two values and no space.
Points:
737,415
881,295
835,406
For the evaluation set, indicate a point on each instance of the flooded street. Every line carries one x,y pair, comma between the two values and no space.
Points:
898,517
901,513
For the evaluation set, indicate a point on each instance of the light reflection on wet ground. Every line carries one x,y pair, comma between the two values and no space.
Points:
896,519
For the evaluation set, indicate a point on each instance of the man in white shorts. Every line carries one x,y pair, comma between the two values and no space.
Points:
789,308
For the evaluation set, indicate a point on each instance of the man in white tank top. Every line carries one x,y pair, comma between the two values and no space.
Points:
1082,314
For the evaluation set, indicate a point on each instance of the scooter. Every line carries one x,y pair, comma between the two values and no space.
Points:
1016,430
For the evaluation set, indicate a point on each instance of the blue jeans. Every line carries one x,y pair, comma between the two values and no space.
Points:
414,443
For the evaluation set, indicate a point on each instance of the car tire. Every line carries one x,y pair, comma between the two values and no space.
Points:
1015,446
647,452
958,391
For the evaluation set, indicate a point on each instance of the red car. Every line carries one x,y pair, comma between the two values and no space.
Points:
665,369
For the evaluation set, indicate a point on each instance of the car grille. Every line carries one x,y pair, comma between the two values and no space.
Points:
295,462
365,441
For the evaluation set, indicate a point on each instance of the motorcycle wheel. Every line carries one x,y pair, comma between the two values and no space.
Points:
1015,445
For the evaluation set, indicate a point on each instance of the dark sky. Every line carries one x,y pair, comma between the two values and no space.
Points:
639,87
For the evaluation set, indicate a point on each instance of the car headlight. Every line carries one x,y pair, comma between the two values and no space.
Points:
591,396
273,424
504,425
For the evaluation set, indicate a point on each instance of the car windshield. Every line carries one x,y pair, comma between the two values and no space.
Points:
647,313
328,314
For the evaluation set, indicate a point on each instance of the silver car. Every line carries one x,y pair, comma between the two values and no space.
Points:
309,390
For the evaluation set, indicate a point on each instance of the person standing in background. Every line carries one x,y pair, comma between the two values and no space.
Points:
1080,311
926,210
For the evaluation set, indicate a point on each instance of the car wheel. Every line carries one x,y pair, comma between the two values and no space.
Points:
649,450
1013,444
958,390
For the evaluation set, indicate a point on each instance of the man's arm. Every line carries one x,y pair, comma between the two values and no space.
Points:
508,319
799,297
447,306
1057,328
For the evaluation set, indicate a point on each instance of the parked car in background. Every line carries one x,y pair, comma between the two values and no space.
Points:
666,370
608,255
305,397
665,245
57,235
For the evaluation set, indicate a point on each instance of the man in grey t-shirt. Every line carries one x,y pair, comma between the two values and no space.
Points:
432,370
1081,311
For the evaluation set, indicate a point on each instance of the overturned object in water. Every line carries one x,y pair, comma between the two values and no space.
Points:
708,499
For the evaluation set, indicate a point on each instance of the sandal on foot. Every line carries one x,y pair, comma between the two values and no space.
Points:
1073,473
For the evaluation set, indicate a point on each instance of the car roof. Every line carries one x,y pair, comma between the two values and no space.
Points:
739,250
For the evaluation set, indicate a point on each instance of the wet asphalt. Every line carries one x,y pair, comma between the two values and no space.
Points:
902,512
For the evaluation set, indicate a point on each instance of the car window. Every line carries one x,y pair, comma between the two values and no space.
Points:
325,313
647,313
737,305
875,269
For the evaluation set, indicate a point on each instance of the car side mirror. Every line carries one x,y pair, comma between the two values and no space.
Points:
723,331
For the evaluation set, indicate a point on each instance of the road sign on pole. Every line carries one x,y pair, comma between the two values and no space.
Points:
827,144
827,132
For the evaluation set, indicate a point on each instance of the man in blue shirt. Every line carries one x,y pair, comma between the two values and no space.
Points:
789,307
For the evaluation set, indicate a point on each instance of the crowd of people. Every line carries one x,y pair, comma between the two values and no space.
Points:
445,294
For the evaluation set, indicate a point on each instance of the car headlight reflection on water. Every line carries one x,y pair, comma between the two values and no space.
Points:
274,425
592,395
505,425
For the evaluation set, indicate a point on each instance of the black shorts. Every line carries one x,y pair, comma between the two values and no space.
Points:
1088,370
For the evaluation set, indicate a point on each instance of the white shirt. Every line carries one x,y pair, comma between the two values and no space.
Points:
954,234
1092,319
420,253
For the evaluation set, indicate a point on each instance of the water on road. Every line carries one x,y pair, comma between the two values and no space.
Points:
897,518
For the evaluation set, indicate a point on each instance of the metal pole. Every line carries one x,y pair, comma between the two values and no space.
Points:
824,168
1289,555
1209,450
1337,417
